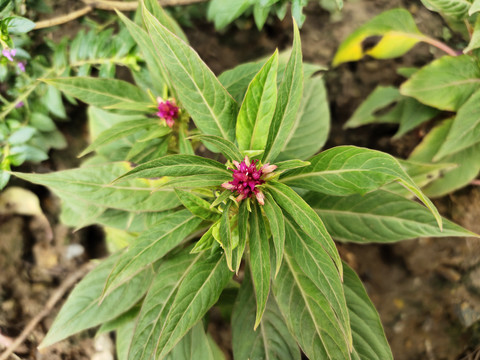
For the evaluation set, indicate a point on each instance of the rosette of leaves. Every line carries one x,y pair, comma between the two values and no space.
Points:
445,91
296,294
224,12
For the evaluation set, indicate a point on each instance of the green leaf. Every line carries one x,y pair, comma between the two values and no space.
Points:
346,170
411,114
22,135
369,341
243,232
208,103
381,97
465,129
226,147
223,12
196,205
92,185
271,340
312,123
226,235
83,308
259,260
277,227
305,217
288,101
119,131
177,165
290,164
388,35
474,8
150,246
379,216
164,18
195,181
258,107
308,314
124,332
236,80
456,9
297,11
42,122
179,297
19,25
468,161
475,38
205,242
442,85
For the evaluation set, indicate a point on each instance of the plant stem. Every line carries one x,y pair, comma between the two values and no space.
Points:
440,45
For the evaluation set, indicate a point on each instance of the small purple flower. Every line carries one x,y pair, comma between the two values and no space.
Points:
9,53
19,105
21,66
246,178
167,110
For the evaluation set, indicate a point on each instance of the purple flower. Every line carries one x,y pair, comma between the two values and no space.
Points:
246,178
21,66
9,53
167,110
19,105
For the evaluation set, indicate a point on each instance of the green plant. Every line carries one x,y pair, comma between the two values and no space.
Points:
261,211
450,84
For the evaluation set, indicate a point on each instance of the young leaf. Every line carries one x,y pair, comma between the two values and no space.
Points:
173,305
205,99
465,130
196,205
271,340
259,260
456,9
379,216
92,185
288,101
177,165
84,309
195,181
277,227
161,15
441,85
308,315
305,217
226,235
104,93
388,35
206,241
243,233
258,108
236,80
312,123
369,341
152,245
226,147
347,170
223,12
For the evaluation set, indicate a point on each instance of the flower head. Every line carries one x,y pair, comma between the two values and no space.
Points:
21,66
167,110
9,53
19,105
246,178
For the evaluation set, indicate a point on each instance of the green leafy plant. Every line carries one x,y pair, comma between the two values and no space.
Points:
251,225
449,84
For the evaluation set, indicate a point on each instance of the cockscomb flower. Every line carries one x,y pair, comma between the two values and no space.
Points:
167,110
246,178
9,53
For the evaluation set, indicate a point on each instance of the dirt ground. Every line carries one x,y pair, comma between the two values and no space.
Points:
427,291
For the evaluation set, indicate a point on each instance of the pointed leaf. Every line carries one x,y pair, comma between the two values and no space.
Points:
441,85
195,181
236,80
388,35
306,218
259,260
194,345
243,233
312,123
83,308
223,12
277,227
288,101
152,245
347,170
196,205
226,235
209,104
271,340
369,341
379,216
92,185
177,165
258,107
103,93
164,18
226,147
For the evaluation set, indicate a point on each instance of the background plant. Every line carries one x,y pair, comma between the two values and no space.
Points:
447,85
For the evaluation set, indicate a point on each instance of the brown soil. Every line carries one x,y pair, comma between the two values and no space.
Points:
427,291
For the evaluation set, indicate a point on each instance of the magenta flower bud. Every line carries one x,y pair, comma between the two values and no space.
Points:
167,110
247,178
19,105
9,53
21,66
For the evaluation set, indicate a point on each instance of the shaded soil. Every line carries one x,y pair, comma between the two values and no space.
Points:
427,291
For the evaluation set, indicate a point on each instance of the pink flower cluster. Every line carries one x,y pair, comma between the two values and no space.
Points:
167,110
10,54
246,178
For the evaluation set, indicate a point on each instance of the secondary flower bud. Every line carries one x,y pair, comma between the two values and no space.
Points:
167,110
